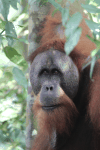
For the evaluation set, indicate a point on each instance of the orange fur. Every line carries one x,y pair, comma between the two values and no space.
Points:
57,120
47,122
94,95
52,39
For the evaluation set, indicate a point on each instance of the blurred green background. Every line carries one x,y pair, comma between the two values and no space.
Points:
13,73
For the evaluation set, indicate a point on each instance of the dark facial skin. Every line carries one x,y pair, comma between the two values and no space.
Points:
51,70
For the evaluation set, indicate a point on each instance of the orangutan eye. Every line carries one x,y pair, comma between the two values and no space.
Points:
55,71
44,72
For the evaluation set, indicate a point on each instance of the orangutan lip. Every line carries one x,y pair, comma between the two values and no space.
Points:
49,107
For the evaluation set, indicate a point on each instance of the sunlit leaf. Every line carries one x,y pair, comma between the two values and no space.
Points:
12,54
92,25
13,3
91,8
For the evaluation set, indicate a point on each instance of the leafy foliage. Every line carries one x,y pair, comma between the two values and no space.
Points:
13,74
93,11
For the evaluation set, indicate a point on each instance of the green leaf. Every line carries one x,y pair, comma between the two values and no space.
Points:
65,16
93,61
13,3
12,54
98,54
19,77
97,1
72,42
85,65
92,25
10,31
4,8
23,64
91,8
72,24
95,41
2,24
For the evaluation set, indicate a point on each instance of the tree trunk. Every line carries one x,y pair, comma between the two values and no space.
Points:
36,16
